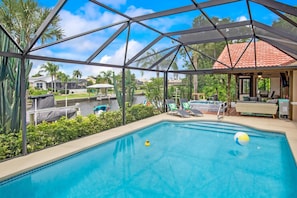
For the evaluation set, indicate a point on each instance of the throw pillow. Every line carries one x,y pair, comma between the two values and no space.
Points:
186,106
172,107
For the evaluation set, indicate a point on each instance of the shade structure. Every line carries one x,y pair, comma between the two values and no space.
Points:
100,86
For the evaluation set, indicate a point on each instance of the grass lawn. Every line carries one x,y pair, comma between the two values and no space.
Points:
85,95
74,96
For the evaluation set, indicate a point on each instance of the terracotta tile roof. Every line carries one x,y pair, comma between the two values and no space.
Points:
266,56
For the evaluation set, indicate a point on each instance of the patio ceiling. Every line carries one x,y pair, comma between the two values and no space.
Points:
183,40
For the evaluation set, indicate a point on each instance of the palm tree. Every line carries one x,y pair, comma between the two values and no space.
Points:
52,70
22,18
76,75
64,79
105,77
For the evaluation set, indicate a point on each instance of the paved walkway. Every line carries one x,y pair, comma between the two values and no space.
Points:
21,164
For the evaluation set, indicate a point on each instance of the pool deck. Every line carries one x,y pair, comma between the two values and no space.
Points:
22,164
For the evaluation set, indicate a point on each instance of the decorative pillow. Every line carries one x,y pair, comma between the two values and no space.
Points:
186,105
246,98
172,106
274,101
253,99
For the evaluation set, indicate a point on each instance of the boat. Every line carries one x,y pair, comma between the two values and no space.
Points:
101,108
44,109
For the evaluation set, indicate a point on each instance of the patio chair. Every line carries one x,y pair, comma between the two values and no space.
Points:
173,110
184,103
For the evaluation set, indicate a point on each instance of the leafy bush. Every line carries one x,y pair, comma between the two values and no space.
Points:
62,91
36,92
63,130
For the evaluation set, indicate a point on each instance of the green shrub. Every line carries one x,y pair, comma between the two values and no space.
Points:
36,92
63,130
11,145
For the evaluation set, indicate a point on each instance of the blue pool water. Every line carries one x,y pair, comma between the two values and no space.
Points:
190,159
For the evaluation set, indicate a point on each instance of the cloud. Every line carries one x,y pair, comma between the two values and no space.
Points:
114,58
241,18
118,56
133,11
73,24
89,17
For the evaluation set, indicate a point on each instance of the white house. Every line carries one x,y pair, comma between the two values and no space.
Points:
44,82
40,82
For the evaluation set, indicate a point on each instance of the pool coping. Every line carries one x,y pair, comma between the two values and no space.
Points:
31,161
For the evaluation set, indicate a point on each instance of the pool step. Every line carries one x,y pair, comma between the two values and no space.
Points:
223,128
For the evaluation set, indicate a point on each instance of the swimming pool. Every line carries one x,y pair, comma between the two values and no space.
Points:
189,159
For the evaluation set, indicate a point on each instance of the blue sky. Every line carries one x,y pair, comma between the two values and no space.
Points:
81,15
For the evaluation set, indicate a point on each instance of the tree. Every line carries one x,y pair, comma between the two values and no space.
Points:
285,26
52,70
76,75
105,77
154,92
209,84
130,86
37,75
24,17
21,18
64,79
152,57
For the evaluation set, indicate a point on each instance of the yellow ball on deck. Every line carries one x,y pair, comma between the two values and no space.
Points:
241,138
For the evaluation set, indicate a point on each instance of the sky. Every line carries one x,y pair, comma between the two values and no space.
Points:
78,16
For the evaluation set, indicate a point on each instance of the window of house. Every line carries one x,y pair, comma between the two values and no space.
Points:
39,85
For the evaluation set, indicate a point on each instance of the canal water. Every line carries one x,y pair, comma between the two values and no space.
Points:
86,107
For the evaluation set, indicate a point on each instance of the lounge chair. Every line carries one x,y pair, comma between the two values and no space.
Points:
173,110
186,106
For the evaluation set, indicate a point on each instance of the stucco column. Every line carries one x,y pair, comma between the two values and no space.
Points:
293,95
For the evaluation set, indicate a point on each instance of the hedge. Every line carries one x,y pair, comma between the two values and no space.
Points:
46,134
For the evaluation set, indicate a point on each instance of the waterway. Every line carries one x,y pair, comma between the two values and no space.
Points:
86,107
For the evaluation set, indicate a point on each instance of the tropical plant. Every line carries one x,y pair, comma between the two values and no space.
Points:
64,79
209,84
52,70
49,134
154,93
37,75
76,75
21,19
24,17
10,83
130,86
105,77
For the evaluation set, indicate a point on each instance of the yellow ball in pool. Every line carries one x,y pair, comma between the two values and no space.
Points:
147,143
241,138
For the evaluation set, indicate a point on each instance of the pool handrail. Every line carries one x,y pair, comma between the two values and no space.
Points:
220,108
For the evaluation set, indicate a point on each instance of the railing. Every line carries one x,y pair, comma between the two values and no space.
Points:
221,108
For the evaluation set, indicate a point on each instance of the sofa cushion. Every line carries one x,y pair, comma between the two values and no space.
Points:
253,99
274,101
246,98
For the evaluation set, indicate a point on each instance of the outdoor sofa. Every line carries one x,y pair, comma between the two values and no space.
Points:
255,107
